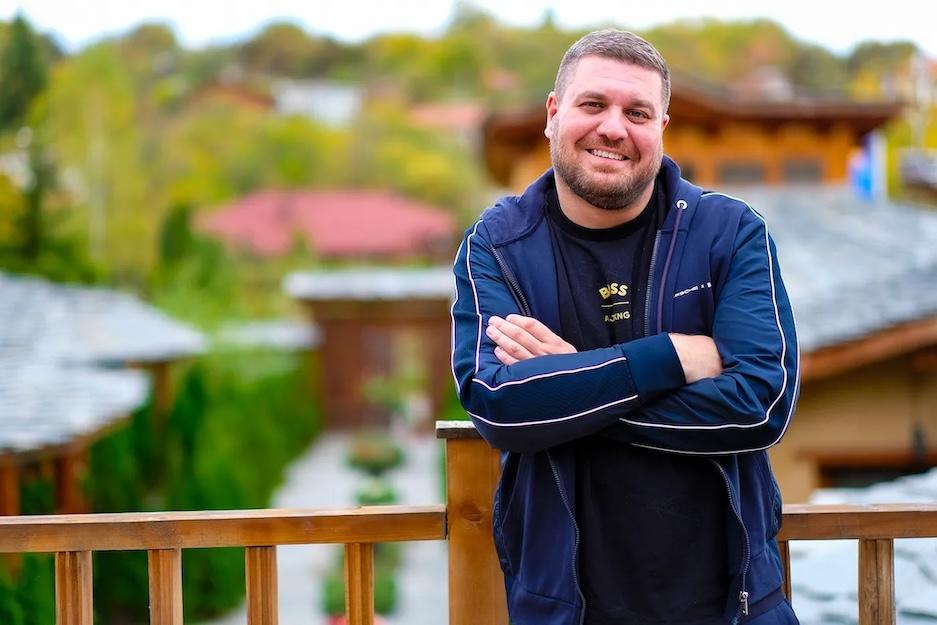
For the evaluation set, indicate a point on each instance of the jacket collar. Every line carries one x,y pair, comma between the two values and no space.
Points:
515,217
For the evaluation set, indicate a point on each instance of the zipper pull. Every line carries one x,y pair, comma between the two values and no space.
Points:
743,598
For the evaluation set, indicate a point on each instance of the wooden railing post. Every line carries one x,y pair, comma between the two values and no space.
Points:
73,601
476,584
359,583
260,565
784,547
165,569
876,582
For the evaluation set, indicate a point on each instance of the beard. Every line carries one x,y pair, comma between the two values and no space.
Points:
618,193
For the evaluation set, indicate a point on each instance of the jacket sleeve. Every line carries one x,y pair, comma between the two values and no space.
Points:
749,406
542,402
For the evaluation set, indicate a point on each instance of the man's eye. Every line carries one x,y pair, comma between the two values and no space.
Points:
592,105
638,114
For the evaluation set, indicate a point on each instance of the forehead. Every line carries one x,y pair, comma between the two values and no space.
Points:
614,78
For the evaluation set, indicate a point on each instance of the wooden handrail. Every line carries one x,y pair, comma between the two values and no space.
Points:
237,528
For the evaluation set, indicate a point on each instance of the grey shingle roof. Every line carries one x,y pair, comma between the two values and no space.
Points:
55,341
77,324
371,283
823,573
851,267
43,405
283,334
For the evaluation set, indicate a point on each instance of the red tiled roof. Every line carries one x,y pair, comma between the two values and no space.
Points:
331,223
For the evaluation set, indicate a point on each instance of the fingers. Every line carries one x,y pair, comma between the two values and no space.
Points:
504,357
506,337
543,339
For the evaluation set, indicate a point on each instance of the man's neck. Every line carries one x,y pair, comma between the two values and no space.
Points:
582,213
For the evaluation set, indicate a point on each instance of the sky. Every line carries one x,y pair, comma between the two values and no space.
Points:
198,22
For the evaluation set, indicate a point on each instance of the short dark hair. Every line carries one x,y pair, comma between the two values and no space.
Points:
620,45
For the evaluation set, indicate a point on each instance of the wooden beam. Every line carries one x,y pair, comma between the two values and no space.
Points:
476,583
876,582
9,487
165,570
888,343
70,466
222,528
260,565
73,595
359,584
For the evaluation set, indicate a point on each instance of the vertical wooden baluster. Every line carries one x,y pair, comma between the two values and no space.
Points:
785,548
359,583
476,584
165,566
73,588
260,564
876,582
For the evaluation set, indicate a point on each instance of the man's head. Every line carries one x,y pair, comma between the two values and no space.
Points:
606,117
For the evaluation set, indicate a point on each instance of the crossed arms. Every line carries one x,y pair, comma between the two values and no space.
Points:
527,389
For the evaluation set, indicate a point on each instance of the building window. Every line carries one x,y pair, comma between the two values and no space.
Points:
740,172
802,170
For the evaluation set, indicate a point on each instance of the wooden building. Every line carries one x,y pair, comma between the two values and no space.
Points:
716,139
379,326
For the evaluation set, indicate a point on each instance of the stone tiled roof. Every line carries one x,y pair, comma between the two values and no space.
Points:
852,268
77,324
371,284
42,405
55,344
823,573
284,334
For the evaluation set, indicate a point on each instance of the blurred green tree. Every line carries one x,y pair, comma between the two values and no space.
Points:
23,73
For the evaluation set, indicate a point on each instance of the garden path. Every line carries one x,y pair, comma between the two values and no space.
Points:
320,478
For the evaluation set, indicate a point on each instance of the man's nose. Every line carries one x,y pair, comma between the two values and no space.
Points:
613,126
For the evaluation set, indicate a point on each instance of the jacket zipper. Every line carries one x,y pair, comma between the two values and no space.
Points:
650,286
743,594
559,487
512,282
525,308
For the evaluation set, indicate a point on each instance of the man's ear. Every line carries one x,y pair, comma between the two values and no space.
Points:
664,122
552,105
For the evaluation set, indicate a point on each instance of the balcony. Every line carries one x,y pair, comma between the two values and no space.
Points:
476,594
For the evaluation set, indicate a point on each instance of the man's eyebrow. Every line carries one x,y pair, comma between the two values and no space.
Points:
601,97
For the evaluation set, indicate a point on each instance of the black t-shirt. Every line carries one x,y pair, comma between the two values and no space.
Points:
652,544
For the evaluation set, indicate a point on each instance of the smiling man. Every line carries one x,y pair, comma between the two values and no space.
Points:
625,338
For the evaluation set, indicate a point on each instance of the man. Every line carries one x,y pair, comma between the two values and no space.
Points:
625,339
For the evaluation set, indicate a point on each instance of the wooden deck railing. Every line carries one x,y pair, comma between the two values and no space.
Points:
476,591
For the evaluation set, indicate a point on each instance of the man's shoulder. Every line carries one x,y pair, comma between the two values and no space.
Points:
514,216
725,207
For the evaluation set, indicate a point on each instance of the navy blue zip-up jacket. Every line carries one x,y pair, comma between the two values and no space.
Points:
714,271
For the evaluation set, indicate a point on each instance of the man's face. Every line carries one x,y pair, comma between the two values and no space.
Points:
606,134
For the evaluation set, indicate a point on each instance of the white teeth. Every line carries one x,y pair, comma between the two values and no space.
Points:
604,154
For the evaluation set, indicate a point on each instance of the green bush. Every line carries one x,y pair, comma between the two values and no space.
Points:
376,491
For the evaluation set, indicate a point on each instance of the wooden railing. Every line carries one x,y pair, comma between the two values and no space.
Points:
476,591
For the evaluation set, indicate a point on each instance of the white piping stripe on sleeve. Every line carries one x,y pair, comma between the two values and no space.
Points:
455,300
777,317
468,267
558,419
549,375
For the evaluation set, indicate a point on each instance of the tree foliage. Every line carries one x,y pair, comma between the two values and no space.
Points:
22,73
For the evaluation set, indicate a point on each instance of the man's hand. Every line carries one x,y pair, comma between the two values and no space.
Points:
698,356
519,338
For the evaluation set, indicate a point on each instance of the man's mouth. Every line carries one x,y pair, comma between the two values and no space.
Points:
609,155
